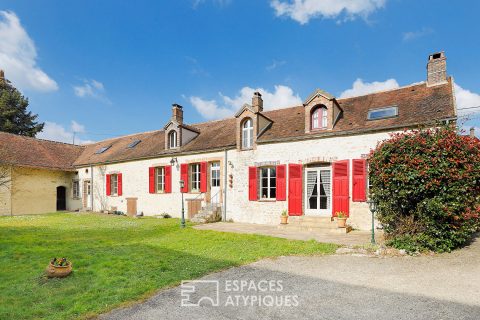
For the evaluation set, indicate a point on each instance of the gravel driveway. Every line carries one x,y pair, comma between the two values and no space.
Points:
349,287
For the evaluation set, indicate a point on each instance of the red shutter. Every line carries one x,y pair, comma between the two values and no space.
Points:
168,179
184,176
295,190
281,182
359,175
340,187
109,192
203,177
252,184
119,184
151,180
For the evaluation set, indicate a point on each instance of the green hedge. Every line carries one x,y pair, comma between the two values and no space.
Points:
427,184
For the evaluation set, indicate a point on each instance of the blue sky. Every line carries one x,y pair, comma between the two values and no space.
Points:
107,68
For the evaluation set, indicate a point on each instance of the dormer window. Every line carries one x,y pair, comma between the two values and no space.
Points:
247,134
172,139
319,118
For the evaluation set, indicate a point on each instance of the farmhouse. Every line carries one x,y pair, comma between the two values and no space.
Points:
307,159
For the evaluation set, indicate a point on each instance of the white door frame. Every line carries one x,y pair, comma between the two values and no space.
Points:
215,190
318,212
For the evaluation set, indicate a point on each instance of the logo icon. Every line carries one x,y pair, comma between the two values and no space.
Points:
200,292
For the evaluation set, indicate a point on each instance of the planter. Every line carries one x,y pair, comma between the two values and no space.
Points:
59,271
342,222
284,219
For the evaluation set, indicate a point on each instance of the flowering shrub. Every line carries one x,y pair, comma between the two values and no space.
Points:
427,184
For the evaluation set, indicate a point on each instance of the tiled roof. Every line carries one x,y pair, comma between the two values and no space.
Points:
37,153
213,135
416,104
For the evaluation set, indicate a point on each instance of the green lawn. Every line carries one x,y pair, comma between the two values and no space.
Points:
116,260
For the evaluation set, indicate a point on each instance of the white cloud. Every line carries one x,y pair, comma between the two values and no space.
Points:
304,10
407,36
275,64
56,132
466,99
361,88
281,97
91,89
18,56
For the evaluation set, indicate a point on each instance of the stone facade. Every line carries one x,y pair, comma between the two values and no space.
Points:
34,191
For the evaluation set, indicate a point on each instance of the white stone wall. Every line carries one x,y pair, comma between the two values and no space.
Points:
239,208
135,183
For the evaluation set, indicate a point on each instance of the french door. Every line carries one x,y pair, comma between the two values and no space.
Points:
215,182
318,191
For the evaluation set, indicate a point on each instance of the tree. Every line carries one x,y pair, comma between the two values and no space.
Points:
14,117
427,184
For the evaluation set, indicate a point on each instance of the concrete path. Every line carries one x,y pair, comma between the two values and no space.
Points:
349,287
351,238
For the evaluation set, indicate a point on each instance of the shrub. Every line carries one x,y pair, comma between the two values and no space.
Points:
427,184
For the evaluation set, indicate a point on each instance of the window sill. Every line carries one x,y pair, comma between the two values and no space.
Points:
246,149
267,200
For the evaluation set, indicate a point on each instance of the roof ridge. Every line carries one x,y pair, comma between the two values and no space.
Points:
40,139
386,90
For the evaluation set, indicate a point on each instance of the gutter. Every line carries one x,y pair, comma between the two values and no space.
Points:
225,181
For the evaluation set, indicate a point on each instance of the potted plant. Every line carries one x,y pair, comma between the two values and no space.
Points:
284,217
59,268
341,219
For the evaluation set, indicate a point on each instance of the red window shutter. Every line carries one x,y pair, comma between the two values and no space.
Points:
168,179
109,192
252,184
151,180
119,184
341,194
203,177
281,182
295,190
359,180
184,176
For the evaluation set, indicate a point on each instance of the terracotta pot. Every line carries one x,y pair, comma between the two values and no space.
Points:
342,222
284,219
58,272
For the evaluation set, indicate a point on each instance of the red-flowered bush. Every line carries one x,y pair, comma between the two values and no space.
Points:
427,184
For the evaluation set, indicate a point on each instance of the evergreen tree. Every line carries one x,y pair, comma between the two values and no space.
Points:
14,116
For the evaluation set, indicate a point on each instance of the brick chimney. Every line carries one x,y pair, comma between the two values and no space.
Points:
257,102
436,69
177,113
472,132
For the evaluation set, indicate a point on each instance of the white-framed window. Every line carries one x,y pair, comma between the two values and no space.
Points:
76,189
114,184
267,177
160,179
247,134
195,177
172,139
319,118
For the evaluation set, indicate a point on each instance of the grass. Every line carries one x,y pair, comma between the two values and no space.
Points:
116,260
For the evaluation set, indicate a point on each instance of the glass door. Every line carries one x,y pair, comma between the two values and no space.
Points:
318,195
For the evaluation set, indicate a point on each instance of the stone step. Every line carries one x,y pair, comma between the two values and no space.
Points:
313,222
332,229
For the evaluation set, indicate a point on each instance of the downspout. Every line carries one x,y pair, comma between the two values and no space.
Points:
91,187
225,165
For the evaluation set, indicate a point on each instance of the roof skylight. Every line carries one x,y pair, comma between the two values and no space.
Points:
102,149
133,144
382,113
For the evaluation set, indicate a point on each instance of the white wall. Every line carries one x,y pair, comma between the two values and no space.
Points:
239,208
